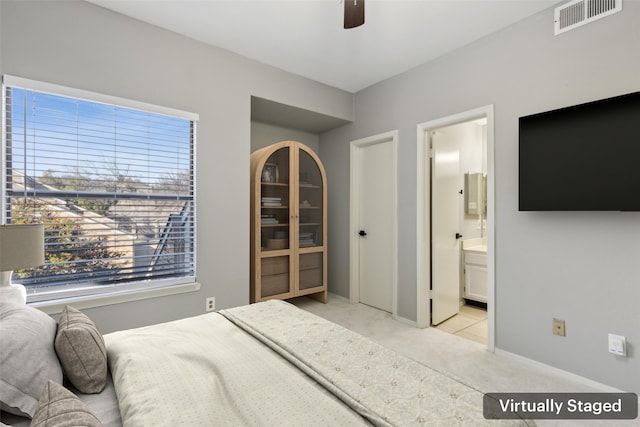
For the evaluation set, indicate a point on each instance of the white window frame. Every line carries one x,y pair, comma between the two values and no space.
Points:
53,300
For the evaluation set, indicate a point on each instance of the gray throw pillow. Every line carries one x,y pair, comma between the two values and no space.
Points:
27,358
81,351
58,407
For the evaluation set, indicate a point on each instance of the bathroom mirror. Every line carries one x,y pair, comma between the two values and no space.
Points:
475,190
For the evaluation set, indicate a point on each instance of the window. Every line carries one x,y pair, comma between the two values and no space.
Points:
111,179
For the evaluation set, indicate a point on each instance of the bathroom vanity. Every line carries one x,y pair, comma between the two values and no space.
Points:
474,253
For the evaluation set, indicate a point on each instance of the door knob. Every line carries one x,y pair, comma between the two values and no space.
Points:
458,236
362,233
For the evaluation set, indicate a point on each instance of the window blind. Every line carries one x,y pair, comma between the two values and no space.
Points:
113,185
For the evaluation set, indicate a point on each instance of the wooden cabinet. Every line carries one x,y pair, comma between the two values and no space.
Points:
288,223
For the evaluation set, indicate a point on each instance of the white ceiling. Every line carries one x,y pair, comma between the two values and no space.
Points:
306,37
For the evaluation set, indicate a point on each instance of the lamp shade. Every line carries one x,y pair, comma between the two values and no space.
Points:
21,246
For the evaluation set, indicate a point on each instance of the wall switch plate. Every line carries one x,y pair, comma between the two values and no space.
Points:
617,345
211,304
558,327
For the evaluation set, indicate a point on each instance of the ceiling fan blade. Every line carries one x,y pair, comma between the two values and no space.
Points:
353,13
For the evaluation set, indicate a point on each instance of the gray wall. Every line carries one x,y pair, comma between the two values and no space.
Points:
581,267
263,135
81,45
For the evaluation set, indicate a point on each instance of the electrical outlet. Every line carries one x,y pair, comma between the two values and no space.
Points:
211,304
617,345
558,327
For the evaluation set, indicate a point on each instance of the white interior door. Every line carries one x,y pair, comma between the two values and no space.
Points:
445,227
376,206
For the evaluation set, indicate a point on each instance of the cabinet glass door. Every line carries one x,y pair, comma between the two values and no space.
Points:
274,202
310,201
275,206
310,224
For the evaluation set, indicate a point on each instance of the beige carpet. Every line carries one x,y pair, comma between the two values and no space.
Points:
468,360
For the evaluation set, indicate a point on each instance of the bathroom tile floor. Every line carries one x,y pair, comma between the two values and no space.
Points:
469,323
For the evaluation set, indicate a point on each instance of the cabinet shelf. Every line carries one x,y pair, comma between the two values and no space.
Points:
270,253
310,249
288,252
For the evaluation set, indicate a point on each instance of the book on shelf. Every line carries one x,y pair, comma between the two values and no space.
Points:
271,201
268,219
306,239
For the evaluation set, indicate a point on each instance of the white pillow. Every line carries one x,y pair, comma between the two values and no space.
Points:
27,357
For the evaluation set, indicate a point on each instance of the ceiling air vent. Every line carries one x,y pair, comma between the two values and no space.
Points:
579,12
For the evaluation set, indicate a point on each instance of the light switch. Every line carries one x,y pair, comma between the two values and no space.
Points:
617,345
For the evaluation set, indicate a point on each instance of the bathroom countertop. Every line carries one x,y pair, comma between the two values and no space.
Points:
475,245
477,248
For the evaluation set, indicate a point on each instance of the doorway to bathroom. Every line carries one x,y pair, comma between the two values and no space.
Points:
455,225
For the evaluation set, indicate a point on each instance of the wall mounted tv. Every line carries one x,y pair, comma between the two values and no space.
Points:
582,158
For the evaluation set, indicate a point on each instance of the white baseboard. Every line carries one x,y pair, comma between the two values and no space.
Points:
398,318
338,297
560,372
406,321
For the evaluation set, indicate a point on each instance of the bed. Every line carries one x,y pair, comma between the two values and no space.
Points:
264,364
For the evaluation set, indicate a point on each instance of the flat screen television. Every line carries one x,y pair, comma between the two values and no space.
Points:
581,158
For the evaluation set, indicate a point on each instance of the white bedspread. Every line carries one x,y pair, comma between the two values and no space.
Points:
204,371
385,387
208,371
